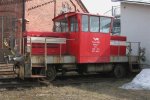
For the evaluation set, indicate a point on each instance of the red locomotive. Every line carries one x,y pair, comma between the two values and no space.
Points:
82,43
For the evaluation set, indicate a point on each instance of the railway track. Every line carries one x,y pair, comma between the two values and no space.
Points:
69,80
81,81
16,83
59,81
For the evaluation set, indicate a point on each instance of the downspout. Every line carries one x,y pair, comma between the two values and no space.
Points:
23,17
54,8
74,5
22,50
54,24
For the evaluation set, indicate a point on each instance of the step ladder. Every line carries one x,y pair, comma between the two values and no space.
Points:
7,71
6,68
37,71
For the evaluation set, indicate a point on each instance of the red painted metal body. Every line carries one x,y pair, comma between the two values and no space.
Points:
94,48
87,47
52,49
118,46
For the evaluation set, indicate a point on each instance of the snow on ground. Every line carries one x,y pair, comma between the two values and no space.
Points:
140,82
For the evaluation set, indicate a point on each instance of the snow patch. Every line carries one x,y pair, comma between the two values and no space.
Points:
140,82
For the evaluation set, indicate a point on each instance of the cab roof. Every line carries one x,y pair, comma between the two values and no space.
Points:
66,15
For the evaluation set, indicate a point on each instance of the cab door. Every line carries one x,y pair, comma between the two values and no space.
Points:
73,37
95,39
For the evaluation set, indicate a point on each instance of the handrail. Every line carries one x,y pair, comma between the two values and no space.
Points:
129,48
45,54
131,45
48,40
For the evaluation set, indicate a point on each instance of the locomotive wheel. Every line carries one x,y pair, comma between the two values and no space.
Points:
51,73
119,71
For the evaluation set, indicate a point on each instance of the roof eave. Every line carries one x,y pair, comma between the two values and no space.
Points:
136,2
83,6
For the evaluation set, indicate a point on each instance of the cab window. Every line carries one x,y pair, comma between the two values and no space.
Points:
61,26
105,24
74,24
94,24
85,23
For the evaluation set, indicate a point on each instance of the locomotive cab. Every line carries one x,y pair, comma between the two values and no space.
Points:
88,36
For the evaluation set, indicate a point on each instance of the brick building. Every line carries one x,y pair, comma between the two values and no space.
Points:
37,15
10,14
40,13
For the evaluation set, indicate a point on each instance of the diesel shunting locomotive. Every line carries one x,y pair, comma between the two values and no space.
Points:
80,42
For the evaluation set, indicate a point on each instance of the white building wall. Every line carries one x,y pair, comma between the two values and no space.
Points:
135,24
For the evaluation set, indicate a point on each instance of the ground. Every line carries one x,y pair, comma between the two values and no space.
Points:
105,90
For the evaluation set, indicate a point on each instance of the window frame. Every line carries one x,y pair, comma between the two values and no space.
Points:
76,29
109,27
65,25
87,23
60,26
90,23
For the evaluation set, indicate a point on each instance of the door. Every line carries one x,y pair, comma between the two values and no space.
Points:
95,39
73,36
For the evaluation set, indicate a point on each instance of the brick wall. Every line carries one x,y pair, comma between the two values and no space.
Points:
10,11
40,13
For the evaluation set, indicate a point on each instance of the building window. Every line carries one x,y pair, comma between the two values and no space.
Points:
14,25
85,23
74,24
105,24
94,24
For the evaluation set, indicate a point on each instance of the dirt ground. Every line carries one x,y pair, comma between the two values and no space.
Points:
105,90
